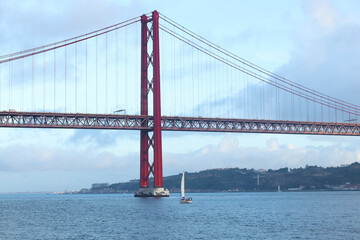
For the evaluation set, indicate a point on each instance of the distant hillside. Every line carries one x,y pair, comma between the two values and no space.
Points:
235,179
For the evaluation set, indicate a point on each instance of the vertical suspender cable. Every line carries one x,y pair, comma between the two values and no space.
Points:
307,108
247,98
251,101
285,106
183,73
164,75
248,93
198,81
248,89
335,113
54,80
237,95
96,95
215,93
106,74
219,81
227,92
173,79
22,84
263,100
213,88
193,83
188,82
253,98
211,93
76,83
11,85
44,78
125,70
32,84
342,111
206,81
259,98
236,98
292,104
210,89
315,110
1,87
187,88
216,88
65,76
269,101
256,98
232,94
137,69
117,68
278,106
322,110
164,68
86,76
9,75
181,80
244,93
300,109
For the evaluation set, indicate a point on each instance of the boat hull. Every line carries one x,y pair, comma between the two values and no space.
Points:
152,192
185,201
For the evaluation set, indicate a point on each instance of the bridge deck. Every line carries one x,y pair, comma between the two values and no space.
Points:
138,122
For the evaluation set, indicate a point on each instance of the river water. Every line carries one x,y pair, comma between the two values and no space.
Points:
283,215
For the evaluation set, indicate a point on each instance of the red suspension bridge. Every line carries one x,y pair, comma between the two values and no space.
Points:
110,79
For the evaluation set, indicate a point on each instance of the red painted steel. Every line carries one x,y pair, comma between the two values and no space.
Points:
158,177
136,122
155,141
144,138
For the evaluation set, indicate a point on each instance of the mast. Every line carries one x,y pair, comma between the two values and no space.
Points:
183,186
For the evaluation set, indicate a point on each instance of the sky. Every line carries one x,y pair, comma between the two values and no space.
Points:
314,43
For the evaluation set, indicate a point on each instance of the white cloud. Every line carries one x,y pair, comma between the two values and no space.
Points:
274,155
228,144
29,158
323,14
273,144
324,60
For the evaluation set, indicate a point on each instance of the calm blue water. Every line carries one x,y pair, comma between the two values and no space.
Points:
313,215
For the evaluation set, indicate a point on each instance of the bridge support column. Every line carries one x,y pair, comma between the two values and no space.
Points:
158,177
154,85
144,138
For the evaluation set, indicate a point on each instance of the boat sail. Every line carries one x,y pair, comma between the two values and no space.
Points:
183,199
183,186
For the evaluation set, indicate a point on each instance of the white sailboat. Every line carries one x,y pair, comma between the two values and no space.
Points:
183,199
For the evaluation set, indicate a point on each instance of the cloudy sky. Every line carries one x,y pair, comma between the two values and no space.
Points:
315,43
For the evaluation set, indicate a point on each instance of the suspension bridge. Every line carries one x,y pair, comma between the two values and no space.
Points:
110,79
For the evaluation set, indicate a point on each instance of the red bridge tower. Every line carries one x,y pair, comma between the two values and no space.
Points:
153,59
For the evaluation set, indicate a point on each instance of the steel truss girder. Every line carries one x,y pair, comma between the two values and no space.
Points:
144,122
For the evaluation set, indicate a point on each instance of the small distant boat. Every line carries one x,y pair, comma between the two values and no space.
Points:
183,199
